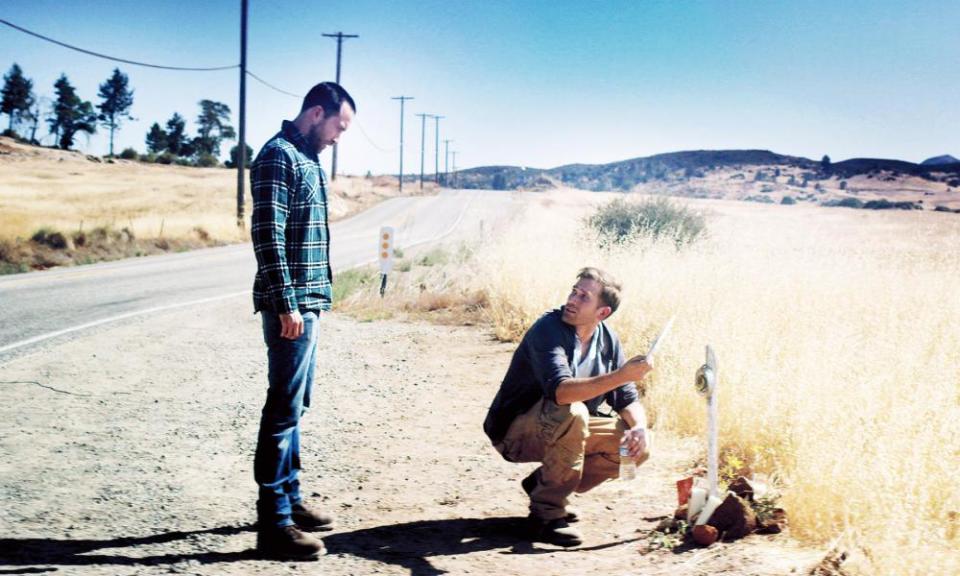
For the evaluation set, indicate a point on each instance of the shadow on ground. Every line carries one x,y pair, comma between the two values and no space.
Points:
50,551
412,544
409,544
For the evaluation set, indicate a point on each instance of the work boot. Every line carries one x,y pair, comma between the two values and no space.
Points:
310,519
530,482
555,531
288,543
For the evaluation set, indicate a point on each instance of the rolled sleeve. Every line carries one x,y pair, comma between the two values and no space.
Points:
273,183
549,362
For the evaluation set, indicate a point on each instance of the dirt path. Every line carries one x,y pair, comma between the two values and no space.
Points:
129,451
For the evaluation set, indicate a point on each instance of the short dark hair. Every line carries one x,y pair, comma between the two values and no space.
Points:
610,292
330,96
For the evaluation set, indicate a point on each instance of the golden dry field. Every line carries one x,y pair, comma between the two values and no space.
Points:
161,207
838,338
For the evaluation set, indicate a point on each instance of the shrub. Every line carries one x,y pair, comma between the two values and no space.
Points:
129,154
165,158
207,161
884,204
788,201
434,257
620,221
848,202
51,238
351,281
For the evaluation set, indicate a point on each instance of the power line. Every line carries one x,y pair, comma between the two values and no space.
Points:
272,87
181,68
370,140
114,58
360,126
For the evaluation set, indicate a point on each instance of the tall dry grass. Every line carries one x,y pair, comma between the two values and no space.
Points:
152,201
41,188
838,337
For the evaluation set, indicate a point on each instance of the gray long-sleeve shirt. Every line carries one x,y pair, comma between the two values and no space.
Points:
542,361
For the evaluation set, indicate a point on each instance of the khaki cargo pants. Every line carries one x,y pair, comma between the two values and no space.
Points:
577,452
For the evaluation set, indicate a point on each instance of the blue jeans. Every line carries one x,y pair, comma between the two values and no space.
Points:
277,461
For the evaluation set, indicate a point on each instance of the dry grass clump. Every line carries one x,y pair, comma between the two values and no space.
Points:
434,286
838,338
48,247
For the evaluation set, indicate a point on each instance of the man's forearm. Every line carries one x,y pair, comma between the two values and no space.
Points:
634,415
582,389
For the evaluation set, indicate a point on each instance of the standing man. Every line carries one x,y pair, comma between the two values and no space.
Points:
568,363
291,289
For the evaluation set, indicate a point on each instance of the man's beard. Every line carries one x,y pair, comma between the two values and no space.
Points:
315,138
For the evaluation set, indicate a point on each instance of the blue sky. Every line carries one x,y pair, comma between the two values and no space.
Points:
534,83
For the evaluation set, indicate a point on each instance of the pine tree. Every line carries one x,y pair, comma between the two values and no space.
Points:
235,156
212,127
157,140
177,141
117,100
17,96
71,114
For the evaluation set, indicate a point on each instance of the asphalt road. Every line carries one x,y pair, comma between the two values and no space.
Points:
41,308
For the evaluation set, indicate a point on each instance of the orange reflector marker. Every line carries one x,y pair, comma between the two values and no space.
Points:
386,249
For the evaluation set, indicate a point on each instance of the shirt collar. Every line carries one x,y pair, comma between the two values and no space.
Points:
601,343
293,134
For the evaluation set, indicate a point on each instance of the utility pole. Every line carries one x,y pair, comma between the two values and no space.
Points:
242,144
339,36
436,149
456,179
423,129
446,162
402,99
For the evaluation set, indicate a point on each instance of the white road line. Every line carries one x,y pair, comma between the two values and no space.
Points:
124,316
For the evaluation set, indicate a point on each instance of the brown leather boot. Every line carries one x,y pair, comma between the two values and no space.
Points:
530,482
288,543
555,531
310,519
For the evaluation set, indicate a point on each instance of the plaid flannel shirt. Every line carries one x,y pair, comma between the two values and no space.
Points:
291,238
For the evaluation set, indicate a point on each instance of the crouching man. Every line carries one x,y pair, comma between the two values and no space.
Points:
547,408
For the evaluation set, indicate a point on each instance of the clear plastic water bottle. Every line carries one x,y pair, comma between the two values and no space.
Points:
628,464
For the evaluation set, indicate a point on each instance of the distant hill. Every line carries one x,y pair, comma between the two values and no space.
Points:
757,175
939,160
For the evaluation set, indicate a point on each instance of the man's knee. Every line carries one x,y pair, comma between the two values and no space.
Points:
565,424
579,412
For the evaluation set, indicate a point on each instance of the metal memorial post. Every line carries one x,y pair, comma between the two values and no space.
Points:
707,387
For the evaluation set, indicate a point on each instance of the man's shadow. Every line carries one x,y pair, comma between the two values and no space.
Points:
411,544
50,551
408,544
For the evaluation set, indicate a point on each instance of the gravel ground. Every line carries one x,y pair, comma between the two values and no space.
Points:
129,451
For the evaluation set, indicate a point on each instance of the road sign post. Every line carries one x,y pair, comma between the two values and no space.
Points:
385,255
